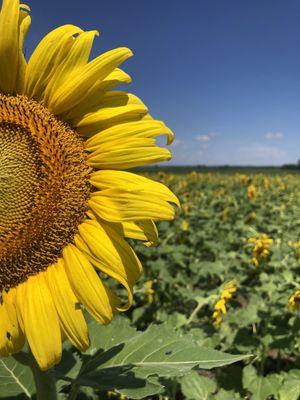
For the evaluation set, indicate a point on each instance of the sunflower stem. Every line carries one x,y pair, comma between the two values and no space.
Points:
45,383
74,392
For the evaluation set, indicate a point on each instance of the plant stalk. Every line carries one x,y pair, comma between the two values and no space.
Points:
74,392
45,381
194,313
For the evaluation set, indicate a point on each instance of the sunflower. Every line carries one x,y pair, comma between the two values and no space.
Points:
67,206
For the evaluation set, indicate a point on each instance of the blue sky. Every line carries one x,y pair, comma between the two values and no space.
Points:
224,75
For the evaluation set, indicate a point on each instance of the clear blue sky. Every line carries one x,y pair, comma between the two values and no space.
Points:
223,74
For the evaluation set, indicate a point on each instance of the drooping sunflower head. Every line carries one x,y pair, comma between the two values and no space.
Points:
66,203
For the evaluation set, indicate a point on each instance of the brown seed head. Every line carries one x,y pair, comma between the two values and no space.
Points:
44,188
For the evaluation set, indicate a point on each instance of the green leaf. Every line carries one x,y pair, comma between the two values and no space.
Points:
197,387
177,320
122,380
67,370
260,387
151,388
131,362
226,395
290,389
106,337
15,379
158,351
69,366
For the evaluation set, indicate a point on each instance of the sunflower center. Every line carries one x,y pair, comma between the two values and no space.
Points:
44,188
19,175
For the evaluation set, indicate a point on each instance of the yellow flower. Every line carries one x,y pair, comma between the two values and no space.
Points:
294,302
260,249
242,178
162,175
194,175
220,306
150,291
252,192
266,182
66,205
185,226
186,207
296,246
251,217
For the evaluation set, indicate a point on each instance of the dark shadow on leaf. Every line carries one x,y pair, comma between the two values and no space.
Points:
282,343
96,374
112,378
101,357
230,378
67,363
243,337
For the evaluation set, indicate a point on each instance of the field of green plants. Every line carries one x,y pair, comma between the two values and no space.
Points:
216,315
227,270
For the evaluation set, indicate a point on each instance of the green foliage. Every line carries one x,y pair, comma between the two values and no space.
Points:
15,379
290,389
260,387
197,387
120,359
206,247
161,350
133,363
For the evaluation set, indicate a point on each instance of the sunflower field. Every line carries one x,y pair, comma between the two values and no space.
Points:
227,272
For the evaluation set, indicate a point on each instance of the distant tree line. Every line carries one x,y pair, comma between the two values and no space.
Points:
291,166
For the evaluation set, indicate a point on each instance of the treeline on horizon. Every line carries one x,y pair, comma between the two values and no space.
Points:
220,168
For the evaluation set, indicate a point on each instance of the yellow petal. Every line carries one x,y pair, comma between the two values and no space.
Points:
94,94
48,55
73,90
10,19
19,296
11,336
127,145
67,306
76,58
114,107
110,253
129,197
118,205
4,328
24,23
87,286
110,179
128,153
144,129
141,230
40,321
116,77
